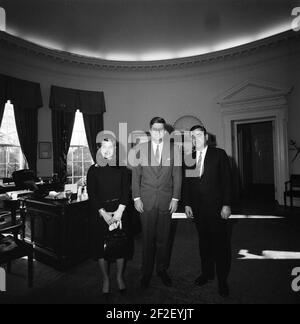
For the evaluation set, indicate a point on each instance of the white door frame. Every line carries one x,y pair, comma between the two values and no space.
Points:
254,101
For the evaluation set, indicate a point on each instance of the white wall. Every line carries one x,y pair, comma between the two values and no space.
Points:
136,97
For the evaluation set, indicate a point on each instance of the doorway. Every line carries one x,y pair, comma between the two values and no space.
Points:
255,148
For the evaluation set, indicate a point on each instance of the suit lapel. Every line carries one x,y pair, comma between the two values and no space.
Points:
166,155
207,161
194,156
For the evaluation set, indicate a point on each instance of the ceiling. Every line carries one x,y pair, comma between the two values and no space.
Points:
146,30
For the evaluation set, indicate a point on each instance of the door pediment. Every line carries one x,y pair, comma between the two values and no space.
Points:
252,90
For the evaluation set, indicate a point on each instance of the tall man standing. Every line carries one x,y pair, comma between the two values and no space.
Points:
207,197
156,186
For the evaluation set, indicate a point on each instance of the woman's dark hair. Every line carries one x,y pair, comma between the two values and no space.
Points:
200,127
116,146
106,139
157,120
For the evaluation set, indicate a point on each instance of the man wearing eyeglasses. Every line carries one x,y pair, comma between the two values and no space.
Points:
156,186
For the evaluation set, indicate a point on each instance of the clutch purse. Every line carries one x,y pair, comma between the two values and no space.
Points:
115,244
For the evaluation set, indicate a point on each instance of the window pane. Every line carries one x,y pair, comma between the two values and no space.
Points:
12,168
77,155
76,179
69,170
77,169
2,155
10,152
69,180
87,165
2,171
69,157
87,155
80,150
14,155
9,133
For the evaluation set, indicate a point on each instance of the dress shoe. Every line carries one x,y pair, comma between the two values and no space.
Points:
123,291
223,289
203,280
165,278
106,296
145,282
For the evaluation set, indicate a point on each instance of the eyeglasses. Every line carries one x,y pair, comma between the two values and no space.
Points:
158,130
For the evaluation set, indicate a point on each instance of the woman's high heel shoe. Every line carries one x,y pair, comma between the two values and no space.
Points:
122,291
107,298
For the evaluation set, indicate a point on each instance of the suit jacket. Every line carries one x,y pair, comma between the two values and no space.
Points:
157,184
214,189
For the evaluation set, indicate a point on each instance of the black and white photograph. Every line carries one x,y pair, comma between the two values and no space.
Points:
149,154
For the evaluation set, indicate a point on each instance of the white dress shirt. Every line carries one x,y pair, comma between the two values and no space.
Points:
160,147
204,152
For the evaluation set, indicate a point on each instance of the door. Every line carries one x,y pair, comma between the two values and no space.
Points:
256,160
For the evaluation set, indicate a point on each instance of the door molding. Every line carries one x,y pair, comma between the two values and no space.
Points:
252,101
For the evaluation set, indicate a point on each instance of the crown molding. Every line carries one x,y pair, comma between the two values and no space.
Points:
96,63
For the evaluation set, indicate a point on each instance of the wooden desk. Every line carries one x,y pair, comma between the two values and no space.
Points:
41,186
59,231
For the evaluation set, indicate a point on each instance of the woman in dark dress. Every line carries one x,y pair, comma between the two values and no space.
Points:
109,193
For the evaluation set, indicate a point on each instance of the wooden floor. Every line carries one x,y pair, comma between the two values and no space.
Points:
251,281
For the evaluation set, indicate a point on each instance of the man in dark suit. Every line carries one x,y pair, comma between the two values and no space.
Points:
156,186
207,197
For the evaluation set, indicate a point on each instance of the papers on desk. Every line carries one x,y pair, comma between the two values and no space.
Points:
72,187
14,195
56,195
179,216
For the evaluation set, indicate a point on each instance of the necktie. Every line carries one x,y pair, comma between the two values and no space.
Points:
199,164
157,155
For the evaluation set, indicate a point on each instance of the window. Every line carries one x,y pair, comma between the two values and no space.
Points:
79,156
11,155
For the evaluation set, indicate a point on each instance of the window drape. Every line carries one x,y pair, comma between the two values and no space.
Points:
26,98
62,127
64,102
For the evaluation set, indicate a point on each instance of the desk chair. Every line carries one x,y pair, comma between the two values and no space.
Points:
24,179
12,247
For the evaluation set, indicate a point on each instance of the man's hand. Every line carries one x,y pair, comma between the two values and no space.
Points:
173,206
189,212
226,212
139,206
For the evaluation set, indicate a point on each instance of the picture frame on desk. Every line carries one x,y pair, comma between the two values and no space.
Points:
45,150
